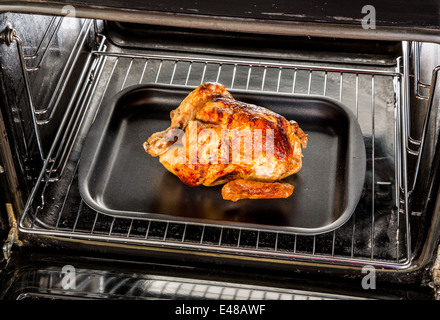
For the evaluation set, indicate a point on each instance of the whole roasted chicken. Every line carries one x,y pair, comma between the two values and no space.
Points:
214,139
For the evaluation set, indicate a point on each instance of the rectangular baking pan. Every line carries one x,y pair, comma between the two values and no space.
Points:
117,177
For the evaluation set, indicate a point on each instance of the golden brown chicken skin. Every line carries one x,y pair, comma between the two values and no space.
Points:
214,139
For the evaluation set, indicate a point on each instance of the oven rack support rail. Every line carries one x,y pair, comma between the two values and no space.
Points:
42,115
167,234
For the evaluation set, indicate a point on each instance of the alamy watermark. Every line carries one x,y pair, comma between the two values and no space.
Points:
68,280
209,146
256,143
68,11
68,277
369,20
369,280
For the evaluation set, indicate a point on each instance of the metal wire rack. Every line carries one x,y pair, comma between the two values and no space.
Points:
378,232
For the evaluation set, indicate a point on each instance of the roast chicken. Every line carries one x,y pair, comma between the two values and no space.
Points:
214,139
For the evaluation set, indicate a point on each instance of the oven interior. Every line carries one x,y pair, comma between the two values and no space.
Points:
56,71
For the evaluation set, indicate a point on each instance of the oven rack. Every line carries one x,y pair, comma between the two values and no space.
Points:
55,208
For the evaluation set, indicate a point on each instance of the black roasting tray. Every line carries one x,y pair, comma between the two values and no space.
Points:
117,177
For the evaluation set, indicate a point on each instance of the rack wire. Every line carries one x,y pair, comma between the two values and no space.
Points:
37,52
377,234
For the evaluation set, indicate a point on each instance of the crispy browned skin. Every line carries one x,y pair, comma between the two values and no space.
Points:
248,189
211,109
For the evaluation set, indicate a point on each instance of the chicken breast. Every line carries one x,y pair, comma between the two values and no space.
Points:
214,139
